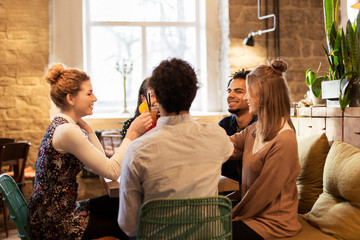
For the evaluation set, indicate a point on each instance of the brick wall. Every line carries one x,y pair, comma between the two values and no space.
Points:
24,52
301,36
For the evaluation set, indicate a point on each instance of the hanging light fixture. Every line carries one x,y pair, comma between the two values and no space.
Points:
249,40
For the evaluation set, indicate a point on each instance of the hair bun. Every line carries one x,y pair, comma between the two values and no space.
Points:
279,65
53,74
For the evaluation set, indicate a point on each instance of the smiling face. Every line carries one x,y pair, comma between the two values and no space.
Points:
154,103
236,92
252,100
83,101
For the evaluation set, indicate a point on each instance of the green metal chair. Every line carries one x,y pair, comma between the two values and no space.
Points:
186,218
16,204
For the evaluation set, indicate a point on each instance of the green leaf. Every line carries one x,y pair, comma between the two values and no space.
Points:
331,62
332,37
328,17
340,64
351,81
335,19
313,82
352,44
345,100
344,50
309,77
316,86
337,44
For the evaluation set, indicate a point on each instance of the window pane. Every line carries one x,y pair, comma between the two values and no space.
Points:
109,46
165,42
168,42
142,10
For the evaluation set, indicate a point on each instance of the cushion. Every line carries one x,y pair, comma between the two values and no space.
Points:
312,154
308,232
337,210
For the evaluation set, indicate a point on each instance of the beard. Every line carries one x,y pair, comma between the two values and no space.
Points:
234,111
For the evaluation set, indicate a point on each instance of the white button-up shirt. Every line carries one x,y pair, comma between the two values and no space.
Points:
178,158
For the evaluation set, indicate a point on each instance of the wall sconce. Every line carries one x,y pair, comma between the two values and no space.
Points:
249,40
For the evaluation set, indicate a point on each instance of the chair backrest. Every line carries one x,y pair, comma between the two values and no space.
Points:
11,154
7,140
186,218
110,140
16,204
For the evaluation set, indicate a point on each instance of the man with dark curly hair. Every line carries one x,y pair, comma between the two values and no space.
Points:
179,157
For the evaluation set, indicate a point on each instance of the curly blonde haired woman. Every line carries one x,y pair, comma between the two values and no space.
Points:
54,212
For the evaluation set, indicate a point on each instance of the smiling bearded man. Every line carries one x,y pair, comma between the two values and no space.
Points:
240,119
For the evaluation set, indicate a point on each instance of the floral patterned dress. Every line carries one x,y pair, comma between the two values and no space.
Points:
126,126
54,212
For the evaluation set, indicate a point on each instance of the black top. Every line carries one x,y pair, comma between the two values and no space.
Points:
230,125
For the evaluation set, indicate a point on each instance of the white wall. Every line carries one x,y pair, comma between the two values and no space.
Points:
66,33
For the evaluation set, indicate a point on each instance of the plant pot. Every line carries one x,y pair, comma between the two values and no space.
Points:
317,101
331,91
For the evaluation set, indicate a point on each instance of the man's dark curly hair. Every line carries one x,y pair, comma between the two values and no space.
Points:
175,84
240,74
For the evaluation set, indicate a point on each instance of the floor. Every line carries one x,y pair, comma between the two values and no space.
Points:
88,187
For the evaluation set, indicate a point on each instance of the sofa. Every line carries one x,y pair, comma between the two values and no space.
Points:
329,190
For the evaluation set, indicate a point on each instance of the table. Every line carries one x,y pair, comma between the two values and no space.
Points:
225,185
111,186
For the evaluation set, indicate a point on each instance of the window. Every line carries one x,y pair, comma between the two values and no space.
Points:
143,32
124,41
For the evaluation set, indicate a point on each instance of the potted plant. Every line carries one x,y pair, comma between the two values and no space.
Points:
343,57
331,87
313,81
349,94
333,38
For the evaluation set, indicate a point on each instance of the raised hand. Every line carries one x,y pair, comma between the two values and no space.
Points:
139,126
84,125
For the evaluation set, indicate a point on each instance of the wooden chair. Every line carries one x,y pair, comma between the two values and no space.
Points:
2,206
14,154
6,140
110,140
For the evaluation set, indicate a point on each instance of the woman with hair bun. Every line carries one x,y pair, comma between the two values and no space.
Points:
69,144
269,196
